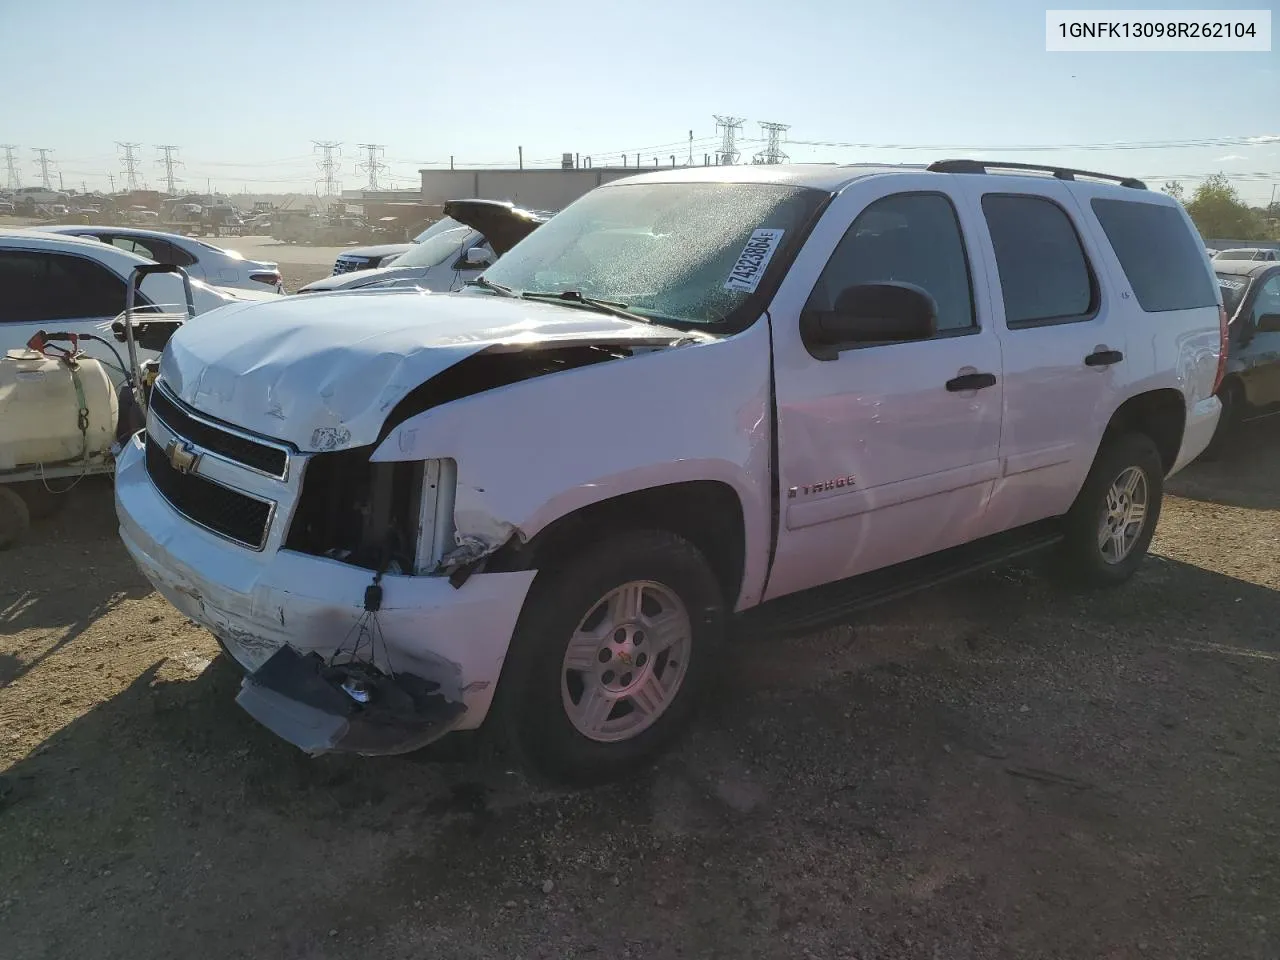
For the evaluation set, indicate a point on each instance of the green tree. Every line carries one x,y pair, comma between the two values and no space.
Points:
1174,189
1218,211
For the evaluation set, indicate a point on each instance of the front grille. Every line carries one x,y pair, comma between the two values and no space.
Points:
224,511
272,461
348,264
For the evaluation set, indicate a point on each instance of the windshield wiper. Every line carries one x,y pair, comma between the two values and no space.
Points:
593,303
497,288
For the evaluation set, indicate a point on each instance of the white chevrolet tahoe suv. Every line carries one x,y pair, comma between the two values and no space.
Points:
548,497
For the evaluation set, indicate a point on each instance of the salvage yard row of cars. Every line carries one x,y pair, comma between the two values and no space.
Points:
538,503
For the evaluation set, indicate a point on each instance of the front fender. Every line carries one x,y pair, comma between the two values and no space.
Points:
534,451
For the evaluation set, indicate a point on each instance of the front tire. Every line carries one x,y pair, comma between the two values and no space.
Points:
1110,525
610,656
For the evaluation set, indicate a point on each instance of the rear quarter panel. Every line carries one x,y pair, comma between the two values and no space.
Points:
1176,349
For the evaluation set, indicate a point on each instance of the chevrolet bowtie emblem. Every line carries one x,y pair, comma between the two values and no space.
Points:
182,456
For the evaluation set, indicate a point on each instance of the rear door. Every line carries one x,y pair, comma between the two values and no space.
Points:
1061,339
60,292
1260,343
882,456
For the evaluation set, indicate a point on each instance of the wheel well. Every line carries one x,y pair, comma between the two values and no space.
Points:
707,513
1160,414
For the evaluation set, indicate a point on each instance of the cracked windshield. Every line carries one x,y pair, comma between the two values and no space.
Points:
699,481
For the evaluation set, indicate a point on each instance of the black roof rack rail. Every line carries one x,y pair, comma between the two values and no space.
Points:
1061,173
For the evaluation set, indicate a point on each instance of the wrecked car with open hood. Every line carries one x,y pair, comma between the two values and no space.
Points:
455,250
540,500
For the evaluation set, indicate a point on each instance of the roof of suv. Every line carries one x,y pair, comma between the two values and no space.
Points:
834,177
822,176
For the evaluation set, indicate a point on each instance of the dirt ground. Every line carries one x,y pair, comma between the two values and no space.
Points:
998,768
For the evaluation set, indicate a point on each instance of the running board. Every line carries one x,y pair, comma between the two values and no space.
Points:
822,606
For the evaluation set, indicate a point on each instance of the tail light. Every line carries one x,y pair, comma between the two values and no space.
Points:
270,279
1222,348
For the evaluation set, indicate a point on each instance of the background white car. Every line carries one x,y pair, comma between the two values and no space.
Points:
202,261
67,284
456,249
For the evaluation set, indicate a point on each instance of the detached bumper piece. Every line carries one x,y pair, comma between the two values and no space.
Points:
345,708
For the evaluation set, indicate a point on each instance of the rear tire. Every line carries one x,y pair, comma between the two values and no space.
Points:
15,520
610,657
1110,525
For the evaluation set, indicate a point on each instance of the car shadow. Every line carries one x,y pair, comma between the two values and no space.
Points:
1246,473
1001,747
70,569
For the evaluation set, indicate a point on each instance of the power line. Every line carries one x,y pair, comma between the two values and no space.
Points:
328,165
728,127
1034,147
169,149
772,153
373,166
11,162
130,164
43,162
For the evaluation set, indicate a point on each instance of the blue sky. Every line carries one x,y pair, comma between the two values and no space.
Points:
244,88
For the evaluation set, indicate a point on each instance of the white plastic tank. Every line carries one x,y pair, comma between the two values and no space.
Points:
39,411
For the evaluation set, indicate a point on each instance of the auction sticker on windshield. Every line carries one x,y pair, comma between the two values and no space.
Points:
746,273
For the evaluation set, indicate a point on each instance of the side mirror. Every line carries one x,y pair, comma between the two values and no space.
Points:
870,313
478,257
1269,323
148,334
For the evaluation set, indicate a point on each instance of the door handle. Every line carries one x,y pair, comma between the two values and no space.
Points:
1103,358
971,381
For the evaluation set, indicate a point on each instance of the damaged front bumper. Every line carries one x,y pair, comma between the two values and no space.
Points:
431,654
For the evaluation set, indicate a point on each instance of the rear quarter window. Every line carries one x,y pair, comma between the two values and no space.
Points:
1161,258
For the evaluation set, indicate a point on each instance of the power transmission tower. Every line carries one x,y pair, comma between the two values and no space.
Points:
130,164
111,179
43,162
373,166
727,128
328,165
168,149
772,153
11,162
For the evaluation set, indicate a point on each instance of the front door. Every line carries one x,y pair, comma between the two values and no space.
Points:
886,453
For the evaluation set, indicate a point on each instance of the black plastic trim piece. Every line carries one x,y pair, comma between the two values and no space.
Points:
821,606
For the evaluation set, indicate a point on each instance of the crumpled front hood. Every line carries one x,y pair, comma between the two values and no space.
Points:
323,372
361,278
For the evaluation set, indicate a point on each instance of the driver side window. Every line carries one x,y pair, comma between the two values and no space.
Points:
905,238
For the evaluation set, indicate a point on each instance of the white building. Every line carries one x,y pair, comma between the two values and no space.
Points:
545,188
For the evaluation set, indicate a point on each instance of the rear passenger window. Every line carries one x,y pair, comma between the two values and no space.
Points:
1044,275
1162,259
910,238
